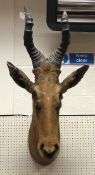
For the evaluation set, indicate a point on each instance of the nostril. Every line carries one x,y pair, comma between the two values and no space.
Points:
41,146
56,147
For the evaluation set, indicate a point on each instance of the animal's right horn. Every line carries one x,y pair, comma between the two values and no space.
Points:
36,56
57,56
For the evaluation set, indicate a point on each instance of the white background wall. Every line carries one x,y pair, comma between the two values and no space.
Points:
77,153
13,99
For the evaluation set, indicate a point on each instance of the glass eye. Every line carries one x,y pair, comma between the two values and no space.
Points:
34,94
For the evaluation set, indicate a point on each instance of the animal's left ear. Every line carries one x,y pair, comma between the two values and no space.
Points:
74,78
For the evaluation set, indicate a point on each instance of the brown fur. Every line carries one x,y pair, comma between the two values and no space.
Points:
47,95
45,125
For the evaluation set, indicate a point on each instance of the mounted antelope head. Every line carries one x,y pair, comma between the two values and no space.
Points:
44,133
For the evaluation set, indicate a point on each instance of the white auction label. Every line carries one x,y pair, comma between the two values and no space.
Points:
22,15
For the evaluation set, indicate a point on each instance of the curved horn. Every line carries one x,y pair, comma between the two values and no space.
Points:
36,56
57,56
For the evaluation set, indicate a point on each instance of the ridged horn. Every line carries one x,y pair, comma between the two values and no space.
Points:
36,56
57,55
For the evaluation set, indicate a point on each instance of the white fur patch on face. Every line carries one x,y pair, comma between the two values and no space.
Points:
49,149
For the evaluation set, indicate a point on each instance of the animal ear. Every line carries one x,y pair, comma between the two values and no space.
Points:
20,78
74,78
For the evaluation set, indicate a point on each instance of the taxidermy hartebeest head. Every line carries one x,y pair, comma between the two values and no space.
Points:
44,133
